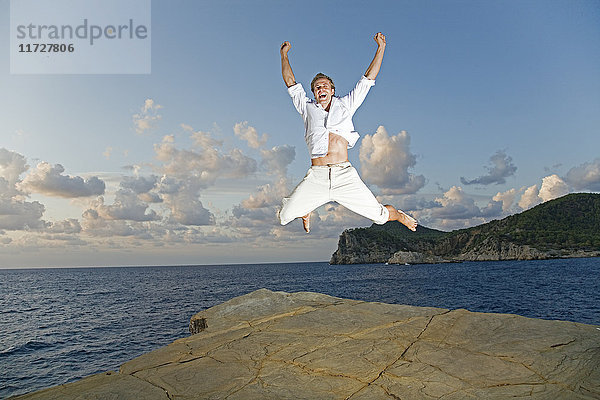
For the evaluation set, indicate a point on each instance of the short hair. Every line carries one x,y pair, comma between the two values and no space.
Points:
319,76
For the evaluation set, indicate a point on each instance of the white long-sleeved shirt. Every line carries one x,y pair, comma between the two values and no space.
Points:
318,122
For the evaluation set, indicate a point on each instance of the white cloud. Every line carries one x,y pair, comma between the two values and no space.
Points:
502,167
248,133
21,215
95,225
186,171
530,197
48,180
67,226
9,192
127,206
458,210
553,187
506,198
139,184
16,213
186,208
586,176
267,195
408,202
276,160
168,185
160,209
257,214
147,117
201,139
150,197
12,165
51,240
195,235
456,205
385,161
204,165
135,168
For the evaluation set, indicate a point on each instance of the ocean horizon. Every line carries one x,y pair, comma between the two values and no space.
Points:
61,324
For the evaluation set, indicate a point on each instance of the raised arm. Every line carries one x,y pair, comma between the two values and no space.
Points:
375,65
286,69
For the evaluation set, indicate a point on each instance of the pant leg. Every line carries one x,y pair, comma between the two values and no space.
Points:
351,192
311,193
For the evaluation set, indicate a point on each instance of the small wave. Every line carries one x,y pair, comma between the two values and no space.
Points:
97,293
9,350
79,352
17,311
28,347
30,309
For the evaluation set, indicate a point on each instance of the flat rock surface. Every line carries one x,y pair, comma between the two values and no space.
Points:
276,345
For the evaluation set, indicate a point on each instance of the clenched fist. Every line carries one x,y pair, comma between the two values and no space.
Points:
285,47
380,39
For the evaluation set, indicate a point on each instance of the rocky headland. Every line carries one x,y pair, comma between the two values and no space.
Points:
276,345
561,228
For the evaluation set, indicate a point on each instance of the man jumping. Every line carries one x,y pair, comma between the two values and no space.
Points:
329,133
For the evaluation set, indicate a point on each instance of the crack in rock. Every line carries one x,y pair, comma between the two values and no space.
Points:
563,344
250,382
420,334
401,355
169,396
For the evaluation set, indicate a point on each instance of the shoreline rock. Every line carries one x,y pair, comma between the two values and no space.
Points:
414,257
352,250
566,227
277,345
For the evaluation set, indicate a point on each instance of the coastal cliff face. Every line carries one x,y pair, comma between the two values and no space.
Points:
414,257
496,250
277,345
359,250
565,227
362,252
355,250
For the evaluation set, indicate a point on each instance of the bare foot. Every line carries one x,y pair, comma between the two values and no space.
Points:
306,222
402,217
407,220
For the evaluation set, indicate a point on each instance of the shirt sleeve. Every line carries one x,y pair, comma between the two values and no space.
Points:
298,96
355,98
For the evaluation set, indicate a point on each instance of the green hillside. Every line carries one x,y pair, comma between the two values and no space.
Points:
569,222
561,227
398,235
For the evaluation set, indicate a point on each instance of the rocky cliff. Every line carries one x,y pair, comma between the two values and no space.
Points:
379,243
565,227
353,249
276,345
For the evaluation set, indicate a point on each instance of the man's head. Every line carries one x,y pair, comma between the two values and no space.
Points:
323,88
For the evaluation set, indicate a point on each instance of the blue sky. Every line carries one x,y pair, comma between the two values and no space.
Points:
481,109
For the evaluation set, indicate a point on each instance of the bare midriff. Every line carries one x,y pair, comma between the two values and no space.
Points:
337,153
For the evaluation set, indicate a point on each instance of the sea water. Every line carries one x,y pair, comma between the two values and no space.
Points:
59,325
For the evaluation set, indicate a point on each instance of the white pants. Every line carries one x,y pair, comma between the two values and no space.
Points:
335,182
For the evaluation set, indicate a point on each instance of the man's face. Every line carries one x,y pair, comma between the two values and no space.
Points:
323,92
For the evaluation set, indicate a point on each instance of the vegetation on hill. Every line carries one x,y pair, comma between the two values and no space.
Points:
558,228
571,222
398,234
